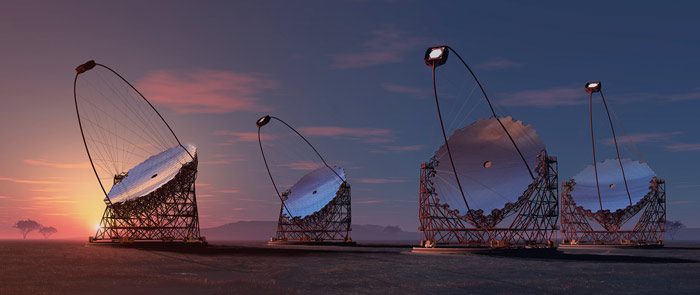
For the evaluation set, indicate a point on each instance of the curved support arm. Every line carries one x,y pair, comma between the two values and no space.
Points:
88,66
271,178
80,124
595,162
617,150
264,121
152,107
493,111
447,145
449,154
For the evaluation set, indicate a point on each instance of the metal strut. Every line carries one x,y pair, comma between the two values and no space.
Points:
619,160
595,163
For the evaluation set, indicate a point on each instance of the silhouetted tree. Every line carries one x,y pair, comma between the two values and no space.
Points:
27,226
673,226
47,231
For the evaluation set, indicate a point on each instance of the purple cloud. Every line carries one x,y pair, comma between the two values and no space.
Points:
498,63
683,147
397,148
225,159
379,180
41,162
206,91
363,134
302,165
387,45
416,92
695,95
367,201
545,98
642,137
27,181
243,136
404,148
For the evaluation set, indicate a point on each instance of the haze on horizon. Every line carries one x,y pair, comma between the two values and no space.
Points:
350,76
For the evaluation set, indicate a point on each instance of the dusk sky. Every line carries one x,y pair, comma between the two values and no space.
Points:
350,76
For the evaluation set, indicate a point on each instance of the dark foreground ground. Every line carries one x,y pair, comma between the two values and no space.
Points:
71,267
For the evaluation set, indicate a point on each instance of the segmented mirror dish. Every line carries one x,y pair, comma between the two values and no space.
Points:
490,170
314,191
150,175
613,194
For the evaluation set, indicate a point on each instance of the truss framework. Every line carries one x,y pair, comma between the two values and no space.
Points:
576,221
166,214
534,224
331,223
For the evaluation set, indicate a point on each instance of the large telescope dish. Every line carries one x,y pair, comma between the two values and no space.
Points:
612,186
490,169
314,191
152,174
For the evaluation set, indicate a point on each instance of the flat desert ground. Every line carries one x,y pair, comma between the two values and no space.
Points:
72,267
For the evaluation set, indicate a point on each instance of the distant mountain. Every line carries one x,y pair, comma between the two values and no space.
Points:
263,230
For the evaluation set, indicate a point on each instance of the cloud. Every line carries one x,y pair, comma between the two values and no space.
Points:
363,134
567,96
243,137
386,45
29,208
498,63
641,137
228,190
397,148
550,97
206,91
259,201
46,190
420,93
683,147
15,180
56,165
4,197
49,198
379,180
366,201
404,148
302,165
225,159
56,201
694,95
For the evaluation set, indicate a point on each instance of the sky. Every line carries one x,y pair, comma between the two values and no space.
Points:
350,76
